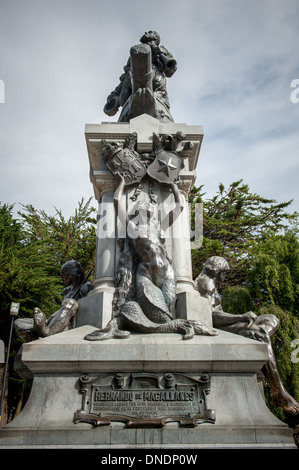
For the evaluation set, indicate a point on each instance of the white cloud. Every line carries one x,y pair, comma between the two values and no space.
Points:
60,60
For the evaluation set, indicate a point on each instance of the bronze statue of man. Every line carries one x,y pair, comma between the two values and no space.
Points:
77,286
259,328
142,88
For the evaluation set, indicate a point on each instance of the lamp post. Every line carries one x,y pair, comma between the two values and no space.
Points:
14,310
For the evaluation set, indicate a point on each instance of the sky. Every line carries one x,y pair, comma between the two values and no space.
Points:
60,59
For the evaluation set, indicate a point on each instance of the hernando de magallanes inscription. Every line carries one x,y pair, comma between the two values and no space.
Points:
144,399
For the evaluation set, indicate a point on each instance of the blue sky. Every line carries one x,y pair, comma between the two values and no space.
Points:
59,60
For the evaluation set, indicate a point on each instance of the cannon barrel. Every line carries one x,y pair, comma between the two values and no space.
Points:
141,66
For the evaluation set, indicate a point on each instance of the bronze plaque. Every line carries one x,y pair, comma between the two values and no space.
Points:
144,399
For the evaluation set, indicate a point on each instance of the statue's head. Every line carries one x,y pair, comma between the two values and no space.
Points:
143,222
216,267
151,38
72,273
144,232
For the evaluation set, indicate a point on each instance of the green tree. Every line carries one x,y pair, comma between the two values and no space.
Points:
33,247
27,277
259,239
273,276
273,283
26,272
64,239
282,347
237,300
233,220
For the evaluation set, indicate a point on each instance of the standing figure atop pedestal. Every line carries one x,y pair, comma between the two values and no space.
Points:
259,328
77,286
142,87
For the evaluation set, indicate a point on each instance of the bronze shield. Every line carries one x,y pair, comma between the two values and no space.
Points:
126,163
166,167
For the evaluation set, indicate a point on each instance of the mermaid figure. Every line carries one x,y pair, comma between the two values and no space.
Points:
145,293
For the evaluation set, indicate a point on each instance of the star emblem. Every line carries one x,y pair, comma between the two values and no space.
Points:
166,167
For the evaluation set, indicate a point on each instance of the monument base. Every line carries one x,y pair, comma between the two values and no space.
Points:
72,381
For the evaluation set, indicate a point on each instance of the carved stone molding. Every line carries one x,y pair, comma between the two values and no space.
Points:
103,182
144,126
185,185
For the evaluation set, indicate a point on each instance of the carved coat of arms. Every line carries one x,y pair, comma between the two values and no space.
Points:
166,167
124,162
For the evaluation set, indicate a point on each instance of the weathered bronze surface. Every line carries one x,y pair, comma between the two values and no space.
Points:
145,291
248,324
123,161
145,280
144,399
77,286
142,88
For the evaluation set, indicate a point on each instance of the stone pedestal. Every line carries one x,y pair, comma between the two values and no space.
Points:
95,309
231,362
189,305
202,392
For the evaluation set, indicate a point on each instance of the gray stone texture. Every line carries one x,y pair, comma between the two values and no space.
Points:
177,238
56,362
242,417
